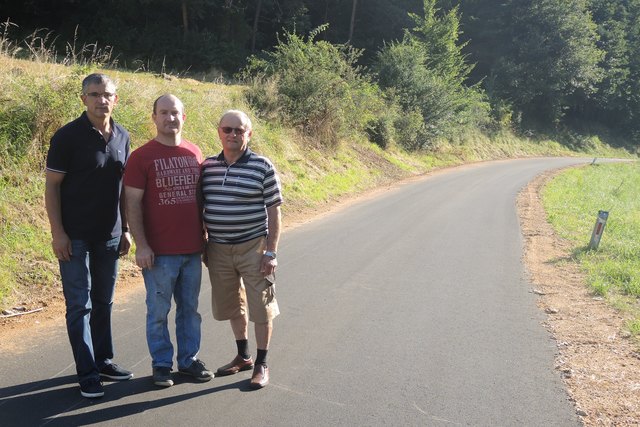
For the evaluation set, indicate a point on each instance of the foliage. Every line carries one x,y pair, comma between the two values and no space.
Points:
438,35
202,35
547,56
616,103
314,85
412,131
543,64
380,131
425,73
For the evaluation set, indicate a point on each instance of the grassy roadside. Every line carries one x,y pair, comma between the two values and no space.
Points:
572,201
38,98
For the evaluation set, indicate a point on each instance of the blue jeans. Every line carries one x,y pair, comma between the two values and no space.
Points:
178,276
88,284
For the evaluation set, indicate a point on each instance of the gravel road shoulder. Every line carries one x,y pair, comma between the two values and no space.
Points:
598,362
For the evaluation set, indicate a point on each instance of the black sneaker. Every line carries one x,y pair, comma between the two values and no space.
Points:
197,370
162,376
91,388
115,372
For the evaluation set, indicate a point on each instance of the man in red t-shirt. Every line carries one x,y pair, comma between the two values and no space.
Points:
161,182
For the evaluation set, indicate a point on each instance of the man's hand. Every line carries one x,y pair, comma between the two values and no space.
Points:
125,243
144,257
61,245
268,265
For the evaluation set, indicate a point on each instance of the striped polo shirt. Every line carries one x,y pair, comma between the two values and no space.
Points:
236,196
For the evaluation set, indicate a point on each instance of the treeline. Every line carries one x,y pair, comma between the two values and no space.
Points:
401,70
574,62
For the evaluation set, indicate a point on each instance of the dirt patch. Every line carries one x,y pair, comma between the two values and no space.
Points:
597,361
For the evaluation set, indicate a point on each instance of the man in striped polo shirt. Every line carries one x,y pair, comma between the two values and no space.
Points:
242,198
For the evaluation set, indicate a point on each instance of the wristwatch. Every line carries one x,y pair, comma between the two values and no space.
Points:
270,254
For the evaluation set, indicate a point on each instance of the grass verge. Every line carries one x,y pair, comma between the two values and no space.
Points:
572,201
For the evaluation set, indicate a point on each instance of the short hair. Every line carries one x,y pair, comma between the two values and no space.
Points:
166,95
246,121
97,79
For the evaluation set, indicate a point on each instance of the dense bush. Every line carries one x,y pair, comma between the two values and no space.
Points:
380,131
411,130
314,85
443,103
425,71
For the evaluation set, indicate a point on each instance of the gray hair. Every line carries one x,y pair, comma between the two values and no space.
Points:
97,79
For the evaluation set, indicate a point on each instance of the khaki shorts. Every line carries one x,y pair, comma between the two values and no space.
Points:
237,283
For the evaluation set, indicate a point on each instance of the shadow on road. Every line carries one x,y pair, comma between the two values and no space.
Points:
57,401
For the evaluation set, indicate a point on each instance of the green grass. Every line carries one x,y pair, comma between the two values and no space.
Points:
25,256
572,201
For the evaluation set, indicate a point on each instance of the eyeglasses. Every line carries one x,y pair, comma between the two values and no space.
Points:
107,95
237,131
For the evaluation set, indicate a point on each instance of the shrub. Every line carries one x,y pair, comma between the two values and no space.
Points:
314,85
380,131
411,131
426,71
264,96
444,104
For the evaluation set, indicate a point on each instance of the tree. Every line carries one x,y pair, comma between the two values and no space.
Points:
368,26
425,72
256,19
185,18
353,20
313,84
438,34
483,22
549,56
616,103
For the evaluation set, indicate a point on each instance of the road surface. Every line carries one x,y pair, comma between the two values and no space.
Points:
411,308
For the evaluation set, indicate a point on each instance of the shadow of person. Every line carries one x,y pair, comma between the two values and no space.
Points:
143,404
31,403
57,401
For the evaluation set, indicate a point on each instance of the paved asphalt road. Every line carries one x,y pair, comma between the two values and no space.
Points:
408,309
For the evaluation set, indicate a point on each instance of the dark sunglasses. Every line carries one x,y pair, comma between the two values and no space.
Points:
237,131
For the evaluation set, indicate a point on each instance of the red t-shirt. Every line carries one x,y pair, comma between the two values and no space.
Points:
169,177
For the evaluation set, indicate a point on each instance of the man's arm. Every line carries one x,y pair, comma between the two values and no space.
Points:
60,242
144,254
125,241
273,222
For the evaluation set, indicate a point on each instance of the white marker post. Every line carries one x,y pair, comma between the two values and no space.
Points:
598,229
